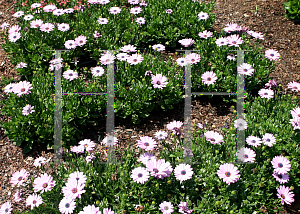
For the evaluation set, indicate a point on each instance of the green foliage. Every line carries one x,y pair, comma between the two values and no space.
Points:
293,9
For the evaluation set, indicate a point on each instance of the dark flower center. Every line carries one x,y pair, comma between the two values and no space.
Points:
20,178
70,74
146,144
227,174
222,42
268,140
253,141
212,139
155,170
282,196
15,37
158,83
140,175
45,185
74,190
135,60
280,165
245,70
280,176
34,202
77,179
183,172
265,93
234,42
23,89
166,207
245,156
209,79
272,54
67,205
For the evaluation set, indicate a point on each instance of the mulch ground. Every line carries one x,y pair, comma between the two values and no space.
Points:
265,16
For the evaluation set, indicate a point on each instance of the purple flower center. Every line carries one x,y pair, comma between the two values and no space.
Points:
265,93
294,87
280,176
67,205
77,179
240,124
182,61
146,144
280,165
245,156
20,178
222,42
140,175
245,69
98,71
212,139
166,207
209,79
45,185
23,89
15,37
74,190
158,83
282,196
135,60
253,141
80,41
70,74
47,28
36,25
227,174
268,140
6,210
155,170
34,202
234,42
272,54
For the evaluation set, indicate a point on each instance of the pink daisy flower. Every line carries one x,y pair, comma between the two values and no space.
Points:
14,29
245,69
107,58
39,161
169,11
166,207
272,54
281,164
221,41
22,87
175,127
183,172
19,14
70,75
115,10
128,48
135,59
133,1
145,158
282,178
36,23
186,42
28,109
147,143
87,144
34,201
246,155
148,73
266,93
58,12
159,168
159,47
108,211
77,149
96,34
67,205
90,209
44,183
269,139
63,27
187,152
295,122
229,173
104,141
4,25
209,78
253,141
13,37
285,195
102,21
35,5
77,176
140,175
205,34
159,81
135,10
49,8
89,158
183,208
240,124
18,196
231,27
295,112
122,56
234,40
80,40
47,27
203,16
231,57
10,87
73,189
140,20
6,208
70,44
294,86
161,135
193,58
97,71
272,83
21,65
28,17
182,61
213,137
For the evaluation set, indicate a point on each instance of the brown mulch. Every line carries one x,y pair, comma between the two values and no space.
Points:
261,16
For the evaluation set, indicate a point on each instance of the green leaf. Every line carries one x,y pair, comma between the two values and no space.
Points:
28,147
